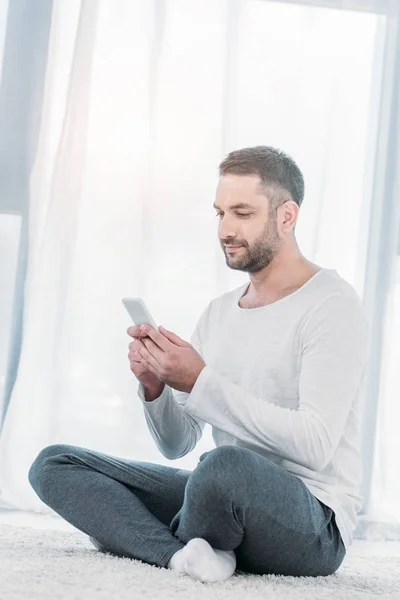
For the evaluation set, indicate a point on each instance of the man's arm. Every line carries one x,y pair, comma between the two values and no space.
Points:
334,354
174,431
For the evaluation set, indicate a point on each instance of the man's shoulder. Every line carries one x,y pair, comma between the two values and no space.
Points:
332,289
335,303
331,282
328,282
325,290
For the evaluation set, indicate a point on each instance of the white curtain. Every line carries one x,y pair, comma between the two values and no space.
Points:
382,521
10,226
141,102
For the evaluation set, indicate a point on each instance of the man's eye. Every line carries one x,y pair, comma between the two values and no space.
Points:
239,214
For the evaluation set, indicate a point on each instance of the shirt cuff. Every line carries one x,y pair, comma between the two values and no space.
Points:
162,397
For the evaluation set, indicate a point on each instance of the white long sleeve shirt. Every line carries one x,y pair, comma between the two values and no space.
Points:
284,380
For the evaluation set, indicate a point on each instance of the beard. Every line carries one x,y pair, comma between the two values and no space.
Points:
260,254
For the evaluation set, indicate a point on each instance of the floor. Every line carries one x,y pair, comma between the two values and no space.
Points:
54,561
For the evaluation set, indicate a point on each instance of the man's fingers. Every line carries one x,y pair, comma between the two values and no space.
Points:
157,337
150,360
150,349
175,339
134,331
136,344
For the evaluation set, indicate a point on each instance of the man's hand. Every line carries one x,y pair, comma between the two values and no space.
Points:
170,358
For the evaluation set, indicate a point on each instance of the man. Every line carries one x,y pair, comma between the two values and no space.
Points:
277,368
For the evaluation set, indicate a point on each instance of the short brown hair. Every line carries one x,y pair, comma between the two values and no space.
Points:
278,172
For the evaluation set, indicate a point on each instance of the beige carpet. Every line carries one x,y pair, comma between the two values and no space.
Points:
48,564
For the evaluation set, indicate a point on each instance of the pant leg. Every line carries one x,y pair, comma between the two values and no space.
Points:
125,505
238,500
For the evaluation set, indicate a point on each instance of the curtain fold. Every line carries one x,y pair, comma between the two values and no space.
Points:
24,58
380,517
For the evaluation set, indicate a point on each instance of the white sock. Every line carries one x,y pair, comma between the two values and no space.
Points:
177,562
203,562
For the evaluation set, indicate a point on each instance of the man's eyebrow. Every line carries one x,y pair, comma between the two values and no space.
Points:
239,205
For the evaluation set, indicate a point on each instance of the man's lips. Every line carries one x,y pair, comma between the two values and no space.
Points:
233,248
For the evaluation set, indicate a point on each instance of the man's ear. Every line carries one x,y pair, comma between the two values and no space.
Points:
288,214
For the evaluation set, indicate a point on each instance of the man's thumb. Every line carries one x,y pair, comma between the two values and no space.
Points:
172,337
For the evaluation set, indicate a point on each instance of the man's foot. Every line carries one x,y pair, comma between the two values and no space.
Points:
177,563
204,563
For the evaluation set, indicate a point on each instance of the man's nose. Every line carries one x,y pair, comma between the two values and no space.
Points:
227,233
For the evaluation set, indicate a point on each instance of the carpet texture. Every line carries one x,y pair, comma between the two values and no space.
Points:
57,565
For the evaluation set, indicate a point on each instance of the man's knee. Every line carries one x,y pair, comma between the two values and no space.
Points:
225,458
225,472
215,471
44,464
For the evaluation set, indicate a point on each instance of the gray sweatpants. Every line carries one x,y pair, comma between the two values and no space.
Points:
234,498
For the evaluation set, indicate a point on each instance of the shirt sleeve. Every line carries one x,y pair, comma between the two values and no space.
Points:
174,431
335,340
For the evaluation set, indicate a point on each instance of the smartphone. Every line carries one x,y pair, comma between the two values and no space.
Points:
138,311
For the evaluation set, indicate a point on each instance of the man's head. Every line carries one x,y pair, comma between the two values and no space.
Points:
270,186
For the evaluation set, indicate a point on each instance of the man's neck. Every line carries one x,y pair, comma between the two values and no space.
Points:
280,276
